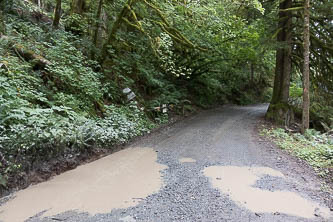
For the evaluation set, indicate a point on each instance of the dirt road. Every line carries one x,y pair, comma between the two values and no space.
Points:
210,167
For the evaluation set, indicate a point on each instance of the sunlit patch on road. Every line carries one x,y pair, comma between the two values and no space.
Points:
127,219
120,180
238,183
187,160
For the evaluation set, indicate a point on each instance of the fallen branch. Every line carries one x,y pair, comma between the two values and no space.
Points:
28,55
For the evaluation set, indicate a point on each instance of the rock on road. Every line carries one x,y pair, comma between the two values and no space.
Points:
209,167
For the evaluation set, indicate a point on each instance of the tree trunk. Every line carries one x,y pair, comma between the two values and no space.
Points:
306,69
98,22
39,4
57,14
252,73
97,29
2,24
78,7
279,109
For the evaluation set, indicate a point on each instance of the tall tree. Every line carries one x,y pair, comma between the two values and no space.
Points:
306,69
98,22
278,109
57,14
39,3
78,6
2,24
116,26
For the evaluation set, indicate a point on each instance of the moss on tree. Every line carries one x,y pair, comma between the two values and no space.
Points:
2,24
280,113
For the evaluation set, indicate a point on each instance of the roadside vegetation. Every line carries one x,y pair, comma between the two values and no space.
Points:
314,147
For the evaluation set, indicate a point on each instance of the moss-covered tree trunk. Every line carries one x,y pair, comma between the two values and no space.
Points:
279,110
116,26
57,15
97,27
78,6
98,22
2,24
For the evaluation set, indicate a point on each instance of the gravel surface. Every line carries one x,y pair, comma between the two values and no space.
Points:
225,136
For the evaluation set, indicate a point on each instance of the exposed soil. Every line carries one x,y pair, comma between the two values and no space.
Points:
134,169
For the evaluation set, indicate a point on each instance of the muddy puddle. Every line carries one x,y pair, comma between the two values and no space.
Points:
238,183
120,180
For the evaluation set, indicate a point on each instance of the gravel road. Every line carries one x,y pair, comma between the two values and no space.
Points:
217,169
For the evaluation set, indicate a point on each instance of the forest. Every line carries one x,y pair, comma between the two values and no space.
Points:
81,75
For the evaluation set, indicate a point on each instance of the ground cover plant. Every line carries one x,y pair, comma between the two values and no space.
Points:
314,147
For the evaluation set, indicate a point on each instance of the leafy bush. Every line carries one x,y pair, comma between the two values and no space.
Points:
70,71
168,58
76,24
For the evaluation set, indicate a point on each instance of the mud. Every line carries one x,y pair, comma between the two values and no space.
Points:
120,180
239,184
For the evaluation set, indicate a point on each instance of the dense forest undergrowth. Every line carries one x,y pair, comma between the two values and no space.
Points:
79,75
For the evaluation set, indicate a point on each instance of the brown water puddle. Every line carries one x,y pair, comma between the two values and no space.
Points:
116,181
238,183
